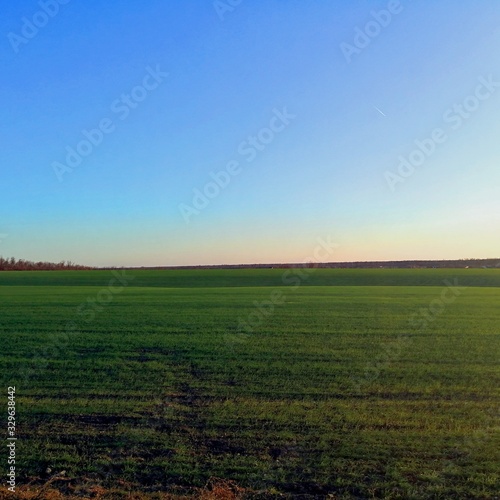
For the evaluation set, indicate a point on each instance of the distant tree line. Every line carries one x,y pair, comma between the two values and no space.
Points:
400,264
13,264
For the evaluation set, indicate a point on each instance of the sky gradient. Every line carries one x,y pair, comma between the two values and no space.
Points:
310,115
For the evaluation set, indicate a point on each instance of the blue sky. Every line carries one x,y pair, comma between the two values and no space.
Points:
330,170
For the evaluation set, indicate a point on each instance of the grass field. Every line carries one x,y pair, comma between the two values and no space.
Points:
290,383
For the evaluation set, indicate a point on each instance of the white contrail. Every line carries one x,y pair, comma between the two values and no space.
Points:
379,111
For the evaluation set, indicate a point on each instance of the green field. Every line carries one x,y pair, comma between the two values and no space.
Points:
353,383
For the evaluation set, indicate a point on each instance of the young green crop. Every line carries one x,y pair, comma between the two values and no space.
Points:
334,391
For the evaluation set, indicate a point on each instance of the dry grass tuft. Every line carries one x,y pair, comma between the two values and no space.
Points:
221,489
